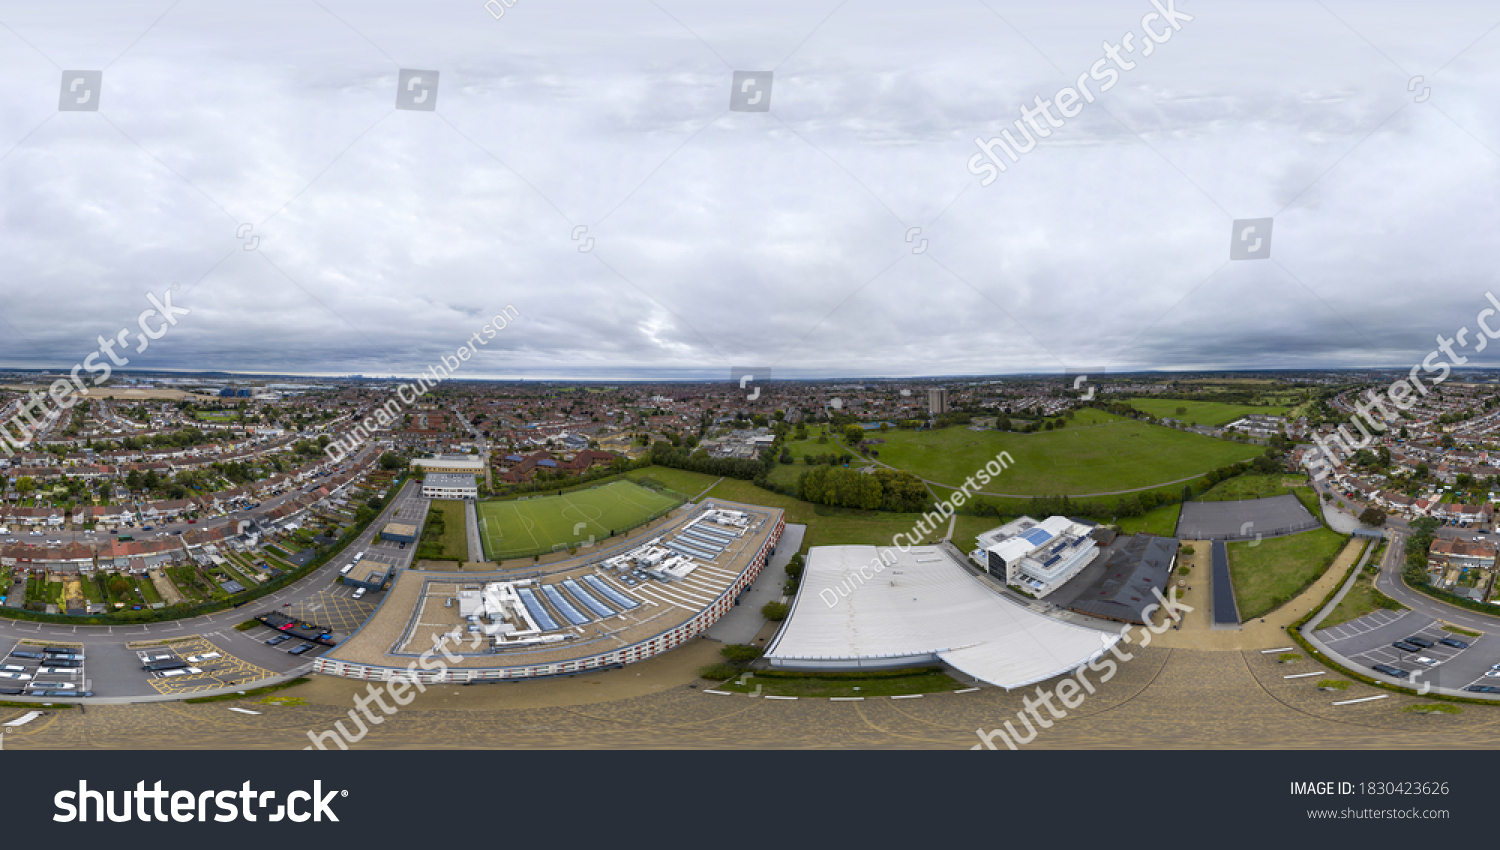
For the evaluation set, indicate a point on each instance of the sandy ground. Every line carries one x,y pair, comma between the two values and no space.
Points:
97,392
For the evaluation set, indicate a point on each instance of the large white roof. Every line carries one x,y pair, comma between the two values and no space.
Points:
921,602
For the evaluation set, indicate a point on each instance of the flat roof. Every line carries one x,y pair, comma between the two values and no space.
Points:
922,602
416,612
448,479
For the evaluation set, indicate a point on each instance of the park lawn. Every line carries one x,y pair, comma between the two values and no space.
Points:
924,682
1269,574
1361,599
1161,521
1248,486
447,539
1213,413
1077,460
679,481
968,528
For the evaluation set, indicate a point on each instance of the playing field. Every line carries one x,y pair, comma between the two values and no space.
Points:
1212,413
525,526
1082,458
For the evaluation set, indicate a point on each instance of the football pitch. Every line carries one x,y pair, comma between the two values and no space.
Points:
527,526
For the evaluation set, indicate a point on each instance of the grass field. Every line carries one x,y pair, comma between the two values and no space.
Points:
1114,454
1201,412
1249,486
1160,521
444,535
1268,574
524,526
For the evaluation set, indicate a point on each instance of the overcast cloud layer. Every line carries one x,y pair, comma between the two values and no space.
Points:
387,237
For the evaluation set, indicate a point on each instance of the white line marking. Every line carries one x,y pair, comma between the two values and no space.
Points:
771,697
712,691
846,699
244,711
1283,649
1362,699
1304,675
966,691
908,696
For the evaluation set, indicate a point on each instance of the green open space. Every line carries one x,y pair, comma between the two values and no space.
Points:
1113,455
1212,413
444,535
1249,486
1160,521
527,526
1269,573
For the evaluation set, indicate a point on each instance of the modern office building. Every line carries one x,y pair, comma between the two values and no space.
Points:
1037,557
452,464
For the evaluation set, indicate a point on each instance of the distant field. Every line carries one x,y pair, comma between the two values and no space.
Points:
1211,413
520,527
1117,454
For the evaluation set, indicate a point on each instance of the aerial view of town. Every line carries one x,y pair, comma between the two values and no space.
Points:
542,375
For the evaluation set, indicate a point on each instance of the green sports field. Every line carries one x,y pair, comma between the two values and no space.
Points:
1211,413
1095,453
525,526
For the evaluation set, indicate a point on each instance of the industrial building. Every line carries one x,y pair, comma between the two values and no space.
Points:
448,485
1037,557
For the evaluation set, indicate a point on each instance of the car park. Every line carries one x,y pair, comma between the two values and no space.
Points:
1420,641
1453,642
1406,646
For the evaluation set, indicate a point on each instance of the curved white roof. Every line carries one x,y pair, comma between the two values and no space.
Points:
864,602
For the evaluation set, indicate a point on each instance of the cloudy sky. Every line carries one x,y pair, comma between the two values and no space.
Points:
384,237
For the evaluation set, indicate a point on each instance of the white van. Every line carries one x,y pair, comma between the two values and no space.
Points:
181,671
55,671
12,668
207,656
346,569
11,675
52,686
359,557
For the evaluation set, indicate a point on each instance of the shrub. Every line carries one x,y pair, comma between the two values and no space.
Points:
775,611
739,652
719,672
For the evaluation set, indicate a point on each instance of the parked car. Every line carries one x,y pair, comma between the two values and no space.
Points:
1389,670
207,656
1422,659
359,593
278,640
1420,641
1478,689
303,648
1453,642
1405,646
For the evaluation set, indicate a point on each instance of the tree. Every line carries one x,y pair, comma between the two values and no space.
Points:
25,484
775,611
1372,516
392,461
854,434
739,653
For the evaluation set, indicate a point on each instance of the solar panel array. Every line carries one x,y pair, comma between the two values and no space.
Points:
571,614
620,600
587,598
543,619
